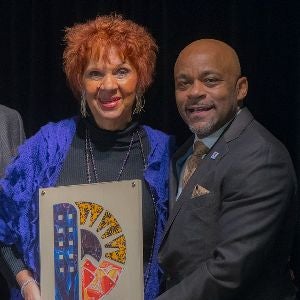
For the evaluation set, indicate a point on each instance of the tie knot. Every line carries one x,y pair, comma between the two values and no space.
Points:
200,149
193,161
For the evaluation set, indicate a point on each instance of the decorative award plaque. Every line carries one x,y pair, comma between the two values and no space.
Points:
91,241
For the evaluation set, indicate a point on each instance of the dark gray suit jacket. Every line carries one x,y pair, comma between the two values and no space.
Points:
229,234
11,135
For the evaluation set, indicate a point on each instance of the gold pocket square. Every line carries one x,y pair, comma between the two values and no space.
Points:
199,191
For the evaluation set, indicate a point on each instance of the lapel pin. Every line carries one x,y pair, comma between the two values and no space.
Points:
214,155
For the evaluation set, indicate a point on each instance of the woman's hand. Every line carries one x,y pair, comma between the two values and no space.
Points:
29,287
32,291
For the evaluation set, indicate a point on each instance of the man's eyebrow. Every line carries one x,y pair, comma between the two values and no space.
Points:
181,76
210,72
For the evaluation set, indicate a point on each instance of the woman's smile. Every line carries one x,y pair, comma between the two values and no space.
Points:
110,103
110,87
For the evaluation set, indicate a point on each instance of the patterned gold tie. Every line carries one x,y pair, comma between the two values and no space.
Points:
193,161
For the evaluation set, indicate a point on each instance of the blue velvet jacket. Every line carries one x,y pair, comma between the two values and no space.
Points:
39,164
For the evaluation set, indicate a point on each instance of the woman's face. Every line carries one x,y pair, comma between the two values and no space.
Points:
110,88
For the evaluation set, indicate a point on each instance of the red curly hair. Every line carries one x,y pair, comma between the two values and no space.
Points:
89,40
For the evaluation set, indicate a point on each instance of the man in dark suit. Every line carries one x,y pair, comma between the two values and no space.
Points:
231,225
11,136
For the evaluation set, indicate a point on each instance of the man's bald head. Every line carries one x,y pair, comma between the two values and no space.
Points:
209,88
222,52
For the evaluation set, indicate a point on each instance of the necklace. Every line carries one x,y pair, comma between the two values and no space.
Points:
90,160
90,163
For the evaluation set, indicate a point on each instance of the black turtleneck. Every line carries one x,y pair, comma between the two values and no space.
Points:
110,149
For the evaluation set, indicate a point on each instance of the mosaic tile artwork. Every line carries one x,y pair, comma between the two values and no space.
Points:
95,268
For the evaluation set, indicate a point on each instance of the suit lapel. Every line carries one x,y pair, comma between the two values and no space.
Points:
174,172
239,124
216,153
209,162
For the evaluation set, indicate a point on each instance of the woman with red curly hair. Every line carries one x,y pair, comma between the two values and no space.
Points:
109,63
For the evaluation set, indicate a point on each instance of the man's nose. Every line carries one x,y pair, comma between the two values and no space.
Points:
197,90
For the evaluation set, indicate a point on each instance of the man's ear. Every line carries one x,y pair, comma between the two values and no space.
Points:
242,88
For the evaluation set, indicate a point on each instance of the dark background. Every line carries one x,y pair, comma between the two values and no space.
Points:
266,35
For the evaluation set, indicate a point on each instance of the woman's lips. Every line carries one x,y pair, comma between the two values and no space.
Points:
109,103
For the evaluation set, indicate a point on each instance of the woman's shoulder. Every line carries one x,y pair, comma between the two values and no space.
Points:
62,125
55,130
52,133
151,132
159,139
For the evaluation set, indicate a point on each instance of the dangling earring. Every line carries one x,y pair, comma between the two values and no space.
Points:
83,104
139,104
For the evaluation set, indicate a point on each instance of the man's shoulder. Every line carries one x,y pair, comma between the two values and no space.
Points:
255,142
7,113
246,129
259,134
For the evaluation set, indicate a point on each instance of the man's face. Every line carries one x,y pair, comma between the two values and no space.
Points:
207,88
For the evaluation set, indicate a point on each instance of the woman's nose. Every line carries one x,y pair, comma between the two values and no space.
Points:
108,82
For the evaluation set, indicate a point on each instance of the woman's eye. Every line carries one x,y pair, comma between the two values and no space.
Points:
95,74
122,72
